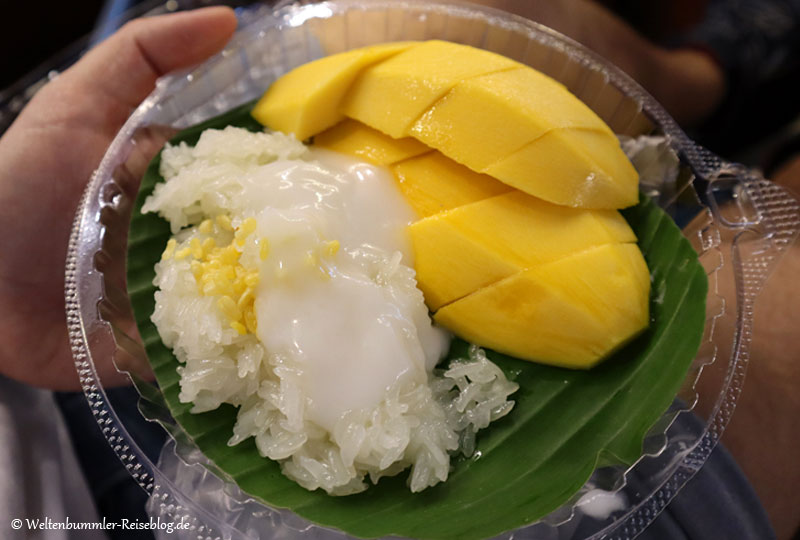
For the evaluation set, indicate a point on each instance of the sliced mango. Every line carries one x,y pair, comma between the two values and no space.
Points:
450,264
511,232
432,183
485,111
486,118
520,247
306,100
588,176
571,312
355,139
483,122
392,95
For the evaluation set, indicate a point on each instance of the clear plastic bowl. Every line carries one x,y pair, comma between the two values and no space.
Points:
715,199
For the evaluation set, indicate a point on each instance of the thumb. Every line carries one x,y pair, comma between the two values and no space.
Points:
124,68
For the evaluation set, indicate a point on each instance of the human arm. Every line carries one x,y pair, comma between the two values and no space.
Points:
46,158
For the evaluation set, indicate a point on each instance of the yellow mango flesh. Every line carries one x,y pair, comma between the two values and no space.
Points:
392,95
306,100
471,264
518,126
355,139
571,312
480,109
587,177
429,181
479,144
486,118
506,233
432,183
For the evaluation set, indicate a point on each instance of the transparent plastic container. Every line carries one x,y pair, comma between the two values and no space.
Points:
715,200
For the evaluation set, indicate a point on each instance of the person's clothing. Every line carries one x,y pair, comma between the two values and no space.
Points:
757,44
718,502
116,494
39,475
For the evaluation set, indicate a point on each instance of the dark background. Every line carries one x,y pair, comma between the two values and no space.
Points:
31,33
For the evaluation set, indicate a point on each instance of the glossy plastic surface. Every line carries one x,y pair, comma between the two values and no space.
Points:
717,202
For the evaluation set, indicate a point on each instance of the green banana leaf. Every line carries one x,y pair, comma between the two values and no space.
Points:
564,425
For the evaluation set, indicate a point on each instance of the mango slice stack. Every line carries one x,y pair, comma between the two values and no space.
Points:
307,101
483,110
519,246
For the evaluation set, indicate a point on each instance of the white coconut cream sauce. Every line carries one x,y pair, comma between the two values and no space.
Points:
327,295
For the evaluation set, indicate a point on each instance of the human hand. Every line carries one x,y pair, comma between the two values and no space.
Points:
46,158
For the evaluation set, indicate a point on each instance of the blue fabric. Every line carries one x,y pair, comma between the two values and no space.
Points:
116,494
717,503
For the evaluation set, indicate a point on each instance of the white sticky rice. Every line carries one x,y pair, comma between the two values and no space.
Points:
419,423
